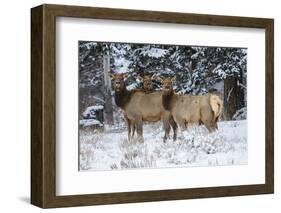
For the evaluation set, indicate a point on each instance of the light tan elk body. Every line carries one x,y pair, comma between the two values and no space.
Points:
189,109
139,106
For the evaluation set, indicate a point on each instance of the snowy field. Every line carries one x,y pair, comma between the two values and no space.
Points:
110,149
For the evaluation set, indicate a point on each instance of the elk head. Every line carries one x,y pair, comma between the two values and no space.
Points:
167,83
147,81
118,81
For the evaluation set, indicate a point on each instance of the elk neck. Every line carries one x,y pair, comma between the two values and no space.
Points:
167,98
122,97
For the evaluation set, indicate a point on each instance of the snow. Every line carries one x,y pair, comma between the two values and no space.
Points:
195,55
154,52
121,64
219,86
90,122
240,114
220,72
110,149
97,98
132,86
89,45
229,94
90,111
241,85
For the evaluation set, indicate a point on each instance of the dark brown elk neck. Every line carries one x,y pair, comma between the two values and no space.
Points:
122,97
167,98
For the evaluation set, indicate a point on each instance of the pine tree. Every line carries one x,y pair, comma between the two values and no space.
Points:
199,70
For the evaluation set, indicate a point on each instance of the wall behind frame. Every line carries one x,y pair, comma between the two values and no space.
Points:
15,104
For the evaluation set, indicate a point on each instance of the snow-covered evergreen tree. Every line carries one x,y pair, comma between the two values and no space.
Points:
199,70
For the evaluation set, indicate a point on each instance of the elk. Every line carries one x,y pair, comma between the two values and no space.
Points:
147,80
139,106
188,109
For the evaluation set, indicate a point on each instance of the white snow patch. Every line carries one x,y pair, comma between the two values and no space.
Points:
90,111
122,65
154,52
219,86
194,147
132,86
90,122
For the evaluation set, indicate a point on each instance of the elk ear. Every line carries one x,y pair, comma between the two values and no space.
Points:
147,77
140,77
174,79
154,77
125,75
112,75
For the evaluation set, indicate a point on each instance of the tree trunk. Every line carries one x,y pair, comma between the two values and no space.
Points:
108,109
233,97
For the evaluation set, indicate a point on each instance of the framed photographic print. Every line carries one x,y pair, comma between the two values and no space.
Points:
136,106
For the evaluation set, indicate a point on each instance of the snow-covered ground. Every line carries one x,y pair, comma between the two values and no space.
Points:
195,147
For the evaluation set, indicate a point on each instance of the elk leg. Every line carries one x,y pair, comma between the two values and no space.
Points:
216,126
214,122
211,126
181,123
167,128
174,126
128,122
139,127
207,117
133,129
208,127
